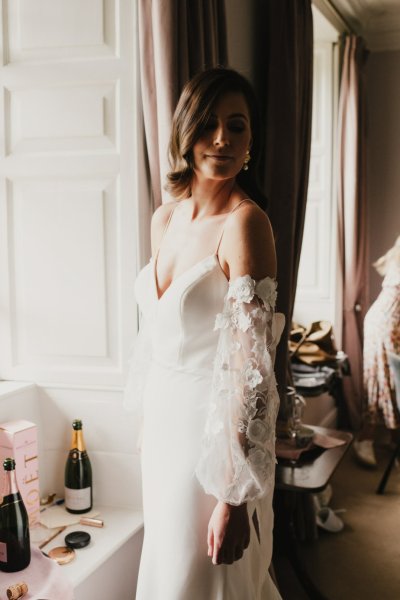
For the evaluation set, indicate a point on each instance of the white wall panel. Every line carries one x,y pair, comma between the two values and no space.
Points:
56,29
60,276
68,180
108,428
109,437
70,118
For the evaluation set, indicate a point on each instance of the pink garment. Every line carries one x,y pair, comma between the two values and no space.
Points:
381,336
44,578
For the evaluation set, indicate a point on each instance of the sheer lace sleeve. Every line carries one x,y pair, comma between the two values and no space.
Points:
237,460
138,367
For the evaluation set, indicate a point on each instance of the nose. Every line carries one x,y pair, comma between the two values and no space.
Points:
221,137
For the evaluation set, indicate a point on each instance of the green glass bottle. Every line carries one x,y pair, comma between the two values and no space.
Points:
78,474
15,548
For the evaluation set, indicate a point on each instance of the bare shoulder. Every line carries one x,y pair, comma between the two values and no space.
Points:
158,222
248,243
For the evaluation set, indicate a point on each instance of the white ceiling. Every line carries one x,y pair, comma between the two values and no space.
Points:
378,21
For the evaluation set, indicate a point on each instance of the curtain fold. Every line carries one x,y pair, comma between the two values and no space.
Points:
352,217
283,81
177,38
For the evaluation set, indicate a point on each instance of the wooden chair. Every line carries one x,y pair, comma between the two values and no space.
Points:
394,361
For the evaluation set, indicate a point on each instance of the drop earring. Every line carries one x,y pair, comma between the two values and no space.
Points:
246,161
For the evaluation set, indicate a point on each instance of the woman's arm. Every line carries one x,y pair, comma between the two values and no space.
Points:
247,246
248,254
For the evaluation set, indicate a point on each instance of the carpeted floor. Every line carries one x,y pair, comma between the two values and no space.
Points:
362,562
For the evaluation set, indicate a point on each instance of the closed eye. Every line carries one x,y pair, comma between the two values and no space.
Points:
234,126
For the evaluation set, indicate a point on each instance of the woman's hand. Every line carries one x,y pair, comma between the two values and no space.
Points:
228,533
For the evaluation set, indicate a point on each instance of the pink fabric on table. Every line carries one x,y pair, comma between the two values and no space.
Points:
44,578
286,448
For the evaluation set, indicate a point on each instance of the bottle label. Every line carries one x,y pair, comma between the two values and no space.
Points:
3,552
77,499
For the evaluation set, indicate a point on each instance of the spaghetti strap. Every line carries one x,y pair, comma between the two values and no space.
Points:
164,232
223,226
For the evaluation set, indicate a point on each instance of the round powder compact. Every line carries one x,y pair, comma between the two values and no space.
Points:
77,539
62,554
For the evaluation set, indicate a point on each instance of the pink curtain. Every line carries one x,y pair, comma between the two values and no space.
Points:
177,39
352,217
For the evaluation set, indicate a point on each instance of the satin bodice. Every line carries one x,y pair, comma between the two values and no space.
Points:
182,320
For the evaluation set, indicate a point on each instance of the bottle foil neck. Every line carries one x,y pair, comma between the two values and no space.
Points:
10,483
77,440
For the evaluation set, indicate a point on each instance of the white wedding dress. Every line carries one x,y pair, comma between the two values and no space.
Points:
202,379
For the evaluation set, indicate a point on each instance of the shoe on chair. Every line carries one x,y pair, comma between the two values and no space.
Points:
364,451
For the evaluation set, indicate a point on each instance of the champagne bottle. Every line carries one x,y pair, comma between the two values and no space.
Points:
15,548
78,474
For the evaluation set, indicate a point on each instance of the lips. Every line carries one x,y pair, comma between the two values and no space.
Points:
219,157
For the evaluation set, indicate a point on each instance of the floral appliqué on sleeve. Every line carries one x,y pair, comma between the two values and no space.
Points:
237,461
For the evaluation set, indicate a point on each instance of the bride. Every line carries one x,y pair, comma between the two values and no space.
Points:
202,372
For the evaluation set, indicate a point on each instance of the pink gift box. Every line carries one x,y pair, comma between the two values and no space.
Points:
18,439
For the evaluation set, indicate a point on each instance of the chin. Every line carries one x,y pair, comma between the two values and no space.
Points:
221,173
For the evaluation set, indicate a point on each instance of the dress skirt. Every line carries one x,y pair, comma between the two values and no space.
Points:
174,563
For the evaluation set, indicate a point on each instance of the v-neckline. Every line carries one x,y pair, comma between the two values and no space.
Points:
175,279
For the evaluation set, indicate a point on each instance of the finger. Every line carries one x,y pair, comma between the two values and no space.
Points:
210,542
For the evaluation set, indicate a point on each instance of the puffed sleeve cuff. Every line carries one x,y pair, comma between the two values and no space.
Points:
237,458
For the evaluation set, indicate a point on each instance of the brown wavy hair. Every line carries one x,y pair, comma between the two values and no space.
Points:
191,115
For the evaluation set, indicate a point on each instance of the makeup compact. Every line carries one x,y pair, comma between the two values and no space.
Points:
62,554
77,539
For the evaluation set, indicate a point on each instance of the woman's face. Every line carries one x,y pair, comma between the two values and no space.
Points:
220,151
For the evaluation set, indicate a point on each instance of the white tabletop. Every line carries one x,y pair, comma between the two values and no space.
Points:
120,524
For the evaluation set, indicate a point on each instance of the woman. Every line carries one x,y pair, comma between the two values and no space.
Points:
381,337
209,396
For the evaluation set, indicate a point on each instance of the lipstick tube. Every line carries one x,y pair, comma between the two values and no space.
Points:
91,522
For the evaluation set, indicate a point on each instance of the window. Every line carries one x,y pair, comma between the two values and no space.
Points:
316,294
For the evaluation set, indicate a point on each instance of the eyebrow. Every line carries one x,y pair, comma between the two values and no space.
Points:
233,116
